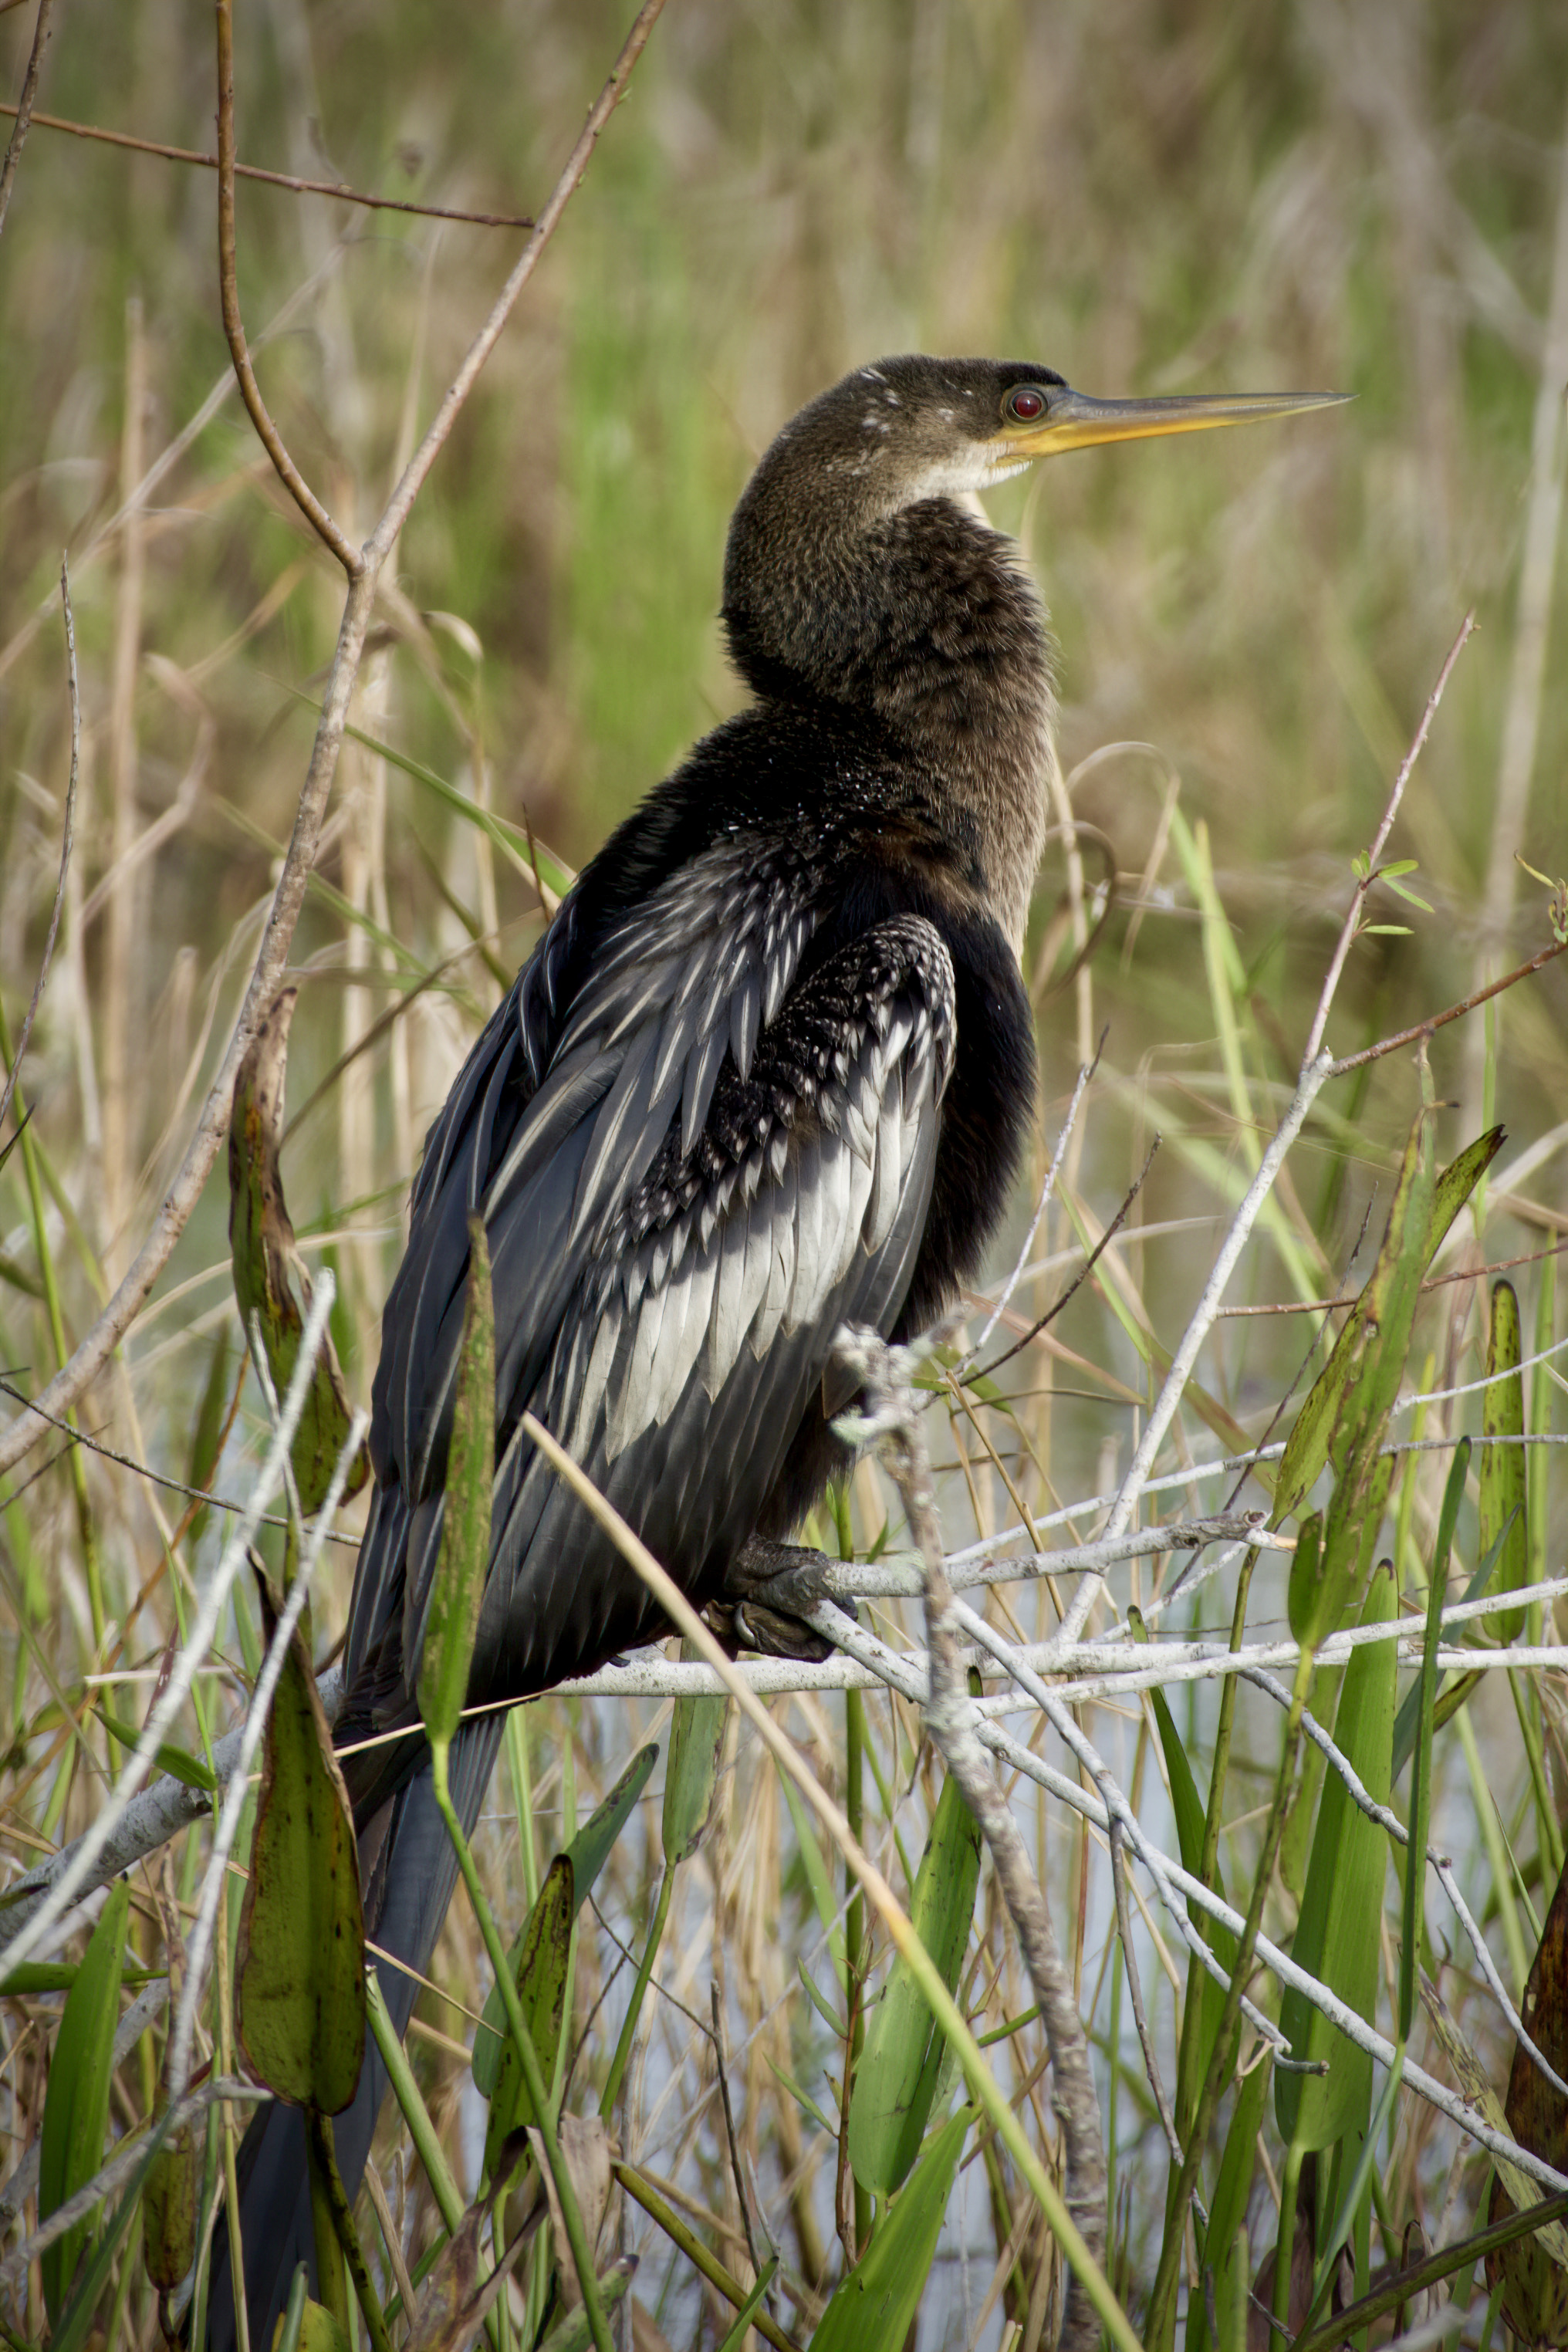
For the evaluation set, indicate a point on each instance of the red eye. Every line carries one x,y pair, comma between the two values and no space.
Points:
1024,404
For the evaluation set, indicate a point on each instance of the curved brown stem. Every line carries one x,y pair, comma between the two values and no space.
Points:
29,1428
325,527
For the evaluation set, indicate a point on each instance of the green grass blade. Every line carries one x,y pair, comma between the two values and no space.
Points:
1307,1449
1425,1694
896,2081
457,1588
691,1776
1337,1934
76,2102
1501,1479
874,2308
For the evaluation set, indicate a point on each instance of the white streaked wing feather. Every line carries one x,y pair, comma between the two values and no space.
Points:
807,1232
726,1326
630,1409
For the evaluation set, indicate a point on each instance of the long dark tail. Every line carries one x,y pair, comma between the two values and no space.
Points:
413,1877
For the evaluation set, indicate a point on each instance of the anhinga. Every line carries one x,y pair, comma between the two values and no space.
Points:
768,1071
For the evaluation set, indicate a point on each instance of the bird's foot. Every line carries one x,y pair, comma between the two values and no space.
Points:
766,1592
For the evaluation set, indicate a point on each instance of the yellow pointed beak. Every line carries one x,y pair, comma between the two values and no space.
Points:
1074,421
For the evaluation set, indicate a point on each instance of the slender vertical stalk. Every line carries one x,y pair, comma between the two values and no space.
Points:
854,1917
622,2058
1159,2327
119,977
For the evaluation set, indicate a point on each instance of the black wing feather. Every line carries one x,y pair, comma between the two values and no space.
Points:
675,1337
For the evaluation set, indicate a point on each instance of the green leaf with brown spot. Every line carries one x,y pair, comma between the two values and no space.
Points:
270,1282
587,1854
299,1997
170,2199
542,1963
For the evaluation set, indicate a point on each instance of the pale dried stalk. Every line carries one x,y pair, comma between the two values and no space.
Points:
905,1677
120,982
950,1717
1532,623
74,691
27,1431
1085,2268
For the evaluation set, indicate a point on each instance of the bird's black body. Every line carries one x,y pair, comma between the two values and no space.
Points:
768,1072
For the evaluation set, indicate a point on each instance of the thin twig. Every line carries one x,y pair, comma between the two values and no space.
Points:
336,188
203,1495
212,1128
1076,1285
24,107
722,2062
1352,923
326,527
1080,1088
18,1057
1424,1029
1433,1282
120,2167
1140,2018
1181,1363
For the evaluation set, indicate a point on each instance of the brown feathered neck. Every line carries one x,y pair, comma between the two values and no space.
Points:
861,572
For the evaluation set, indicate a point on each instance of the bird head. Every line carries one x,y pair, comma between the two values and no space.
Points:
820,544
906,429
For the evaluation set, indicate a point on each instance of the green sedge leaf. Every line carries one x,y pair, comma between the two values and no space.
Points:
874,2308
896,2080
457,1588
1337,1932
178,1762
76,2101
1501,1476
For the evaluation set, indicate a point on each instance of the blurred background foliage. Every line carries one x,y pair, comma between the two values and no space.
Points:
1148,199
1227,195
